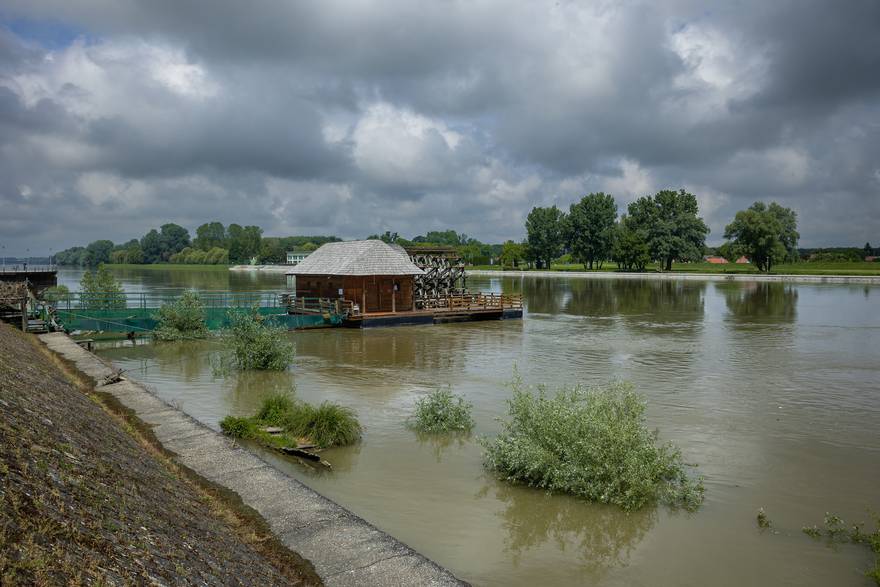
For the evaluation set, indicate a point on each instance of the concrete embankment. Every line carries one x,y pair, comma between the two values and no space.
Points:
674,276
343,548
262,268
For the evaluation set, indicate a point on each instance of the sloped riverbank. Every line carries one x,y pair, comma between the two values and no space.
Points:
87,500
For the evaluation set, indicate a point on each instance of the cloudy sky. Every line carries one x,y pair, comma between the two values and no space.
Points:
349,117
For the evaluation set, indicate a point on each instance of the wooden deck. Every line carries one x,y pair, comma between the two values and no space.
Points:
460,308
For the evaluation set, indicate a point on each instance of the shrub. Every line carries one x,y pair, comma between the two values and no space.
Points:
56,293
182,318
257,344
101,291
330,425
237,427
442,411
592,443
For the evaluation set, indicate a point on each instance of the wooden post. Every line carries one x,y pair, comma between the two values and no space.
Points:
364,296
393,298
24,315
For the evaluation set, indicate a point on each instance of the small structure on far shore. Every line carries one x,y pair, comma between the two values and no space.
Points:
297,256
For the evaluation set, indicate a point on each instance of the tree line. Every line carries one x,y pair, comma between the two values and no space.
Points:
663,228
214,244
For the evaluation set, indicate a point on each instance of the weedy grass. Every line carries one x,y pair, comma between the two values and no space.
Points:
181,319
324,426
255,344
591,443
763,520
835,530
237,427
442,411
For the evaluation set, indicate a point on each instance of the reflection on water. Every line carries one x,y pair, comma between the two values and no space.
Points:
772,388
599,537
761,302
440,443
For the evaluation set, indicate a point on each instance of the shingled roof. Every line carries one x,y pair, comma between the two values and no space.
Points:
370,257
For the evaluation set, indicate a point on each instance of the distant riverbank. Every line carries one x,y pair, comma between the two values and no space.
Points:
167,266
697,276
263,268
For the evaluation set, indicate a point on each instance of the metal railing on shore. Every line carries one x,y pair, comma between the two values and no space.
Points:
27,268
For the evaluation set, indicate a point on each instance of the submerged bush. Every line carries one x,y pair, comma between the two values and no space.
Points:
442,411
836,530
592,443
256,344
182,318
324,426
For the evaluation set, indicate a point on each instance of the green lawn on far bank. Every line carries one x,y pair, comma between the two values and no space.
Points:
805,268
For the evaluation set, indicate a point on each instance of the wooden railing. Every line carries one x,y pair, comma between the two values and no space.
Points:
475,301
305,305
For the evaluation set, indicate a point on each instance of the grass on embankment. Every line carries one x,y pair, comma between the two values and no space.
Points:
806,268
88,497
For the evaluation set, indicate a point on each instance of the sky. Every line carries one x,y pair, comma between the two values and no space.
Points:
352,117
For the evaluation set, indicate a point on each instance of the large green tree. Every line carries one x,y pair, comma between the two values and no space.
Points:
512,254
174,238
670,223
765,234
589,228
244,243
210,235
630,249
97,252
544,230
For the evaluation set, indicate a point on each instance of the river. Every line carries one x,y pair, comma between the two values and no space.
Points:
773,389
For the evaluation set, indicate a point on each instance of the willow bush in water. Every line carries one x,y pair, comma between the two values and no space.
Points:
442,411
256,344
183,318
592,443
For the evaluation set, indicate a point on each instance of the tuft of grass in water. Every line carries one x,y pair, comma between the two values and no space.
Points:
324,426
237,427
328,425
274,409
442,411
592,443
181,319
763,520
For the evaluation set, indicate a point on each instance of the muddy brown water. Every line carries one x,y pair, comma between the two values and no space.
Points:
773,389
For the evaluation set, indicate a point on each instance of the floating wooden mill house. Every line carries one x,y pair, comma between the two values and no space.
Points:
379,285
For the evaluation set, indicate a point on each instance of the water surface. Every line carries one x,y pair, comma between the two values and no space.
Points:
773,389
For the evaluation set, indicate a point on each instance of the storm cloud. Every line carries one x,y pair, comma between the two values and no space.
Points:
350,118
